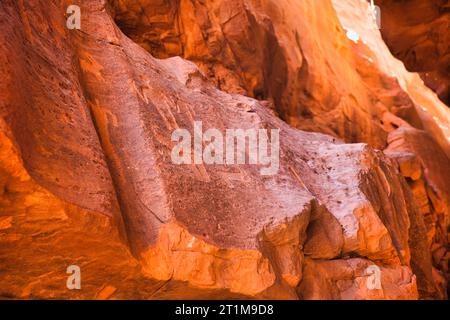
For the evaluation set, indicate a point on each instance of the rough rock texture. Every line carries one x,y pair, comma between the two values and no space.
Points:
428,174
263,49
347,280
417,32
86,176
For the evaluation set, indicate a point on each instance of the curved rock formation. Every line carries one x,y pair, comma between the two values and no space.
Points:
87,176
417,32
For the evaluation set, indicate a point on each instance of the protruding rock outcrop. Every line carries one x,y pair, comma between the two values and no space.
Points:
417,32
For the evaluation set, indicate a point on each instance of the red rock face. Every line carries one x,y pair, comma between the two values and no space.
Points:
87,175
417,32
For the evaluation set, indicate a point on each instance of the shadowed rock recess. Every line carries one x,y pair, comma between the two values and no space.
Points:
418,33
86,176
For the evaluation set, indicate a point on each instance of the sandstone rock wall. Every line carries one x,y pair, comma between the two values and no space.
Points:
418,34
87,177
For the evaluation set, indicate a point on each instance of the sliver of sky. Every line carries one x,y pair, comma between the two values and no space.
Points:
352,35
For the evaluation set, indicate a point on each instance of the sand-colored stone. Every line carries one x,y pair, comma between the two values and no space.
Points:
350,279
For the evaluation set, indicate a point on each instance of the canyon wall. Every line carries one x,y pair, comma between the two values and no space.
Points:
87,178
418,33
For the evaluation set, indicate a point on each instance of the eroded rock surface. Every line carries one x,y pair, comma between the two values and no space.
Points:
417,32
87,177
348,279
